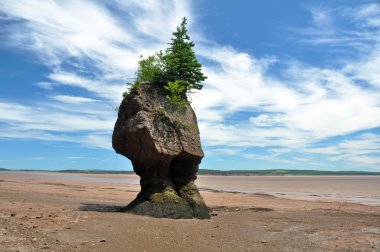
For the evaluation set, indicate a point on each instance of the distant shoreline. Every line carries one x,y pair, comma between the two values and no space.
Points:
272,172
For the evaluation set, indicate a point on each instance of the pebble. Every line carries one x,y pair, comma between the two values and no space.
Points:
34,239
263,241
103,240
13,214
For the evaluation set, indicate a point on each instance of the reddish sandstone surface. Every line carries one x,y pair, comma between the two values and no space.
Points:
44,214
162,141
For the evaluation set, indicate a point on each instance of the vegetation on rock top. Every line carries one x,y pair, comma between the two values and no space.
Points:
176,70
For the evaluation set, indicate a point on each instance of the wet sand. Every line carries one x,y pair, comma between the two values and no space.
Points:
41,212
356,189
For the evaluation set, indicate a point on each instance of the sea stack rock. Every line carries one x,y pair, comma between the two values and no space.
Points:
164,147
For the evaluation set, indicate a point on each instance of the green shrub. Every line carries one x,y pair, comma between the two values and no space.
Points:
176,93
152,69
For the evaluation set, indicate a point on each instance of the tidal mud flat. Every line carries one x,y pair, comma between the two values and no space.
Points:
355,189
78,212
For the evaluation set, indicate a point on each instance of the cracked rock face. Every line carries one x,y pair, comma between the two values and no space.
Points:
164,147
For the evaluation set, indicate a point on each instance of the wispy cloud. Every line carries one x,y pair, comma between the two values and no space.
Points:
85,48
88,48
271,158
40,118
366,160
355,27
37,158
72,99
311,105
317,104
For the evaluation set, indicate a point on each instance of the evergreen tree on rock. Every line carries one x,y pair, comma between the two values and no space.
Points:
182,65
177,70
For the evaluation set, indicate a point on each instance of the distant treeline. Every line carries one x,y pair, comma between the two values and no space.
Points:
97,171
274,172
283,172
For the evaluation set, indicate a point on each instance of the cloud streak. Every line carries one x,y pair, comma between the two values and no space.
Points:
309,106
88,49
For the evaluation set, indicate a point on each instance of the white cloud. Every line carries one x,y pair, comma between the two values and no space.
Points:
322,18
89,48
320,103
362,149
109,91
87,140
75,157
40,118
37,158
98,140
365,160
151,17
105,47
223,151
265,120
367,15
367,69
331,150
72,99
45,85
327,27
311,105
269,158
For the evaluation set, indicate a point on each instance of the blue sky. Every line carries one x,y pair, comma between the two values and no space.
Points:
291,84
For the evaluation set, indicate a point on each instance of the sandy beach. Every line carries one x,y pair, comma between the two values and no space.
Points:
75,212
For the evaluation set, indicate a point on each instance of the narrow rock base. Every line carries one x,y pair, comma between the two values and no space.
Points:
185,203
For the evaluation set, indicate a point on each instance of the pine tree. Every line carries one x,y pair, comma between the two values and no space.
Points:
181,63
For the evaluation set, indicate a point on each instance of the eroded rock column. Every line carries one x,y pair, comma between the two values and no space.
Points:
164,147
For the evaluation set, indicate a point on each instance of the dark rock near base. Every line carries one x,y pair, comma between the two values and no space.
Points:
164,146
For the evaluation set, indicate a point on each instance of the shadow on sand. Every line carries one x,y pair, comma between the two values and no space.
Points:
101,208
117,208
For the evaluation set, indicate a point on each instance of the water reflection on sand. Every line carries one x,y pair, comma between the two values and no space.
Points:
357,189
